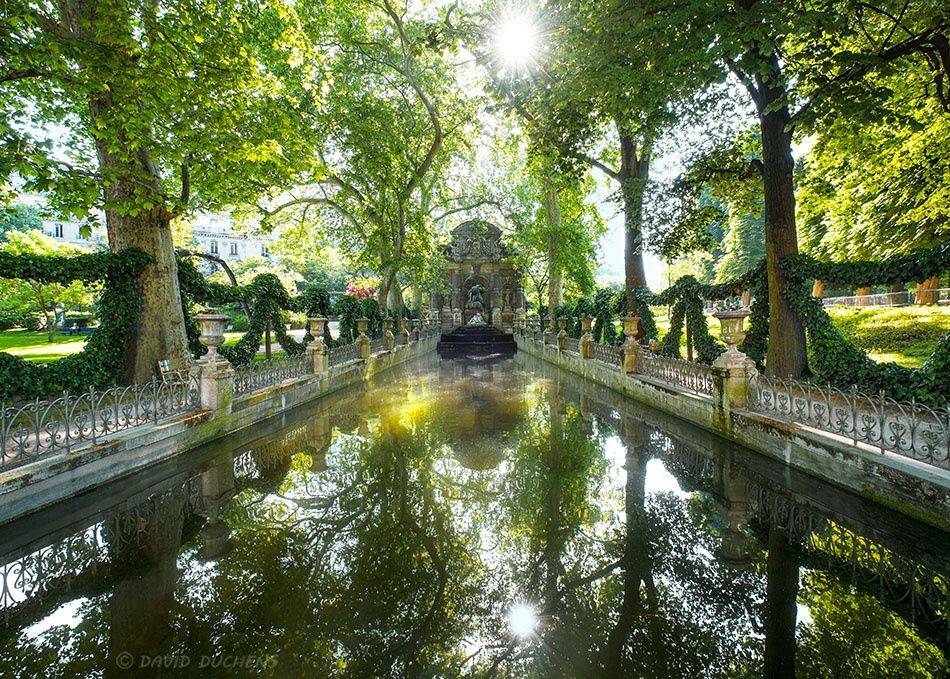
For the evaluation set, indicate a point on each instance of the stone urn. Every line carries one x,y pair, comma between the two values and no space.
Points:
212,332
361,325
317,326
631,324
732,330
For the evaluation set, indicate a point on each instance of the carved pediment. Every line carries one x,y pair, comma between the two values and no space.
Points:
476,239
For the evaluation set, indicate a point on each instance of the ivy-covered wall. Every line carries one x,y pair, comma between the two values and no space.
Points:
99,364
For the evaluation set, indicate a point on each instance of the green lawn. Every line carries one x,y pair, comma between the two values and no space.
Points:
903,335
34,347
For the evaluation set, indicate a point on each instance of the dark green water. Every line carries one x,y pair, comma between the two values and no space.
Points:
485,520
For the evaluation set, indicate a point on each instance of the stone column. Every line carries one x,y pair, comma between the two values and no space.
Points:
388,333
631,347
403,331
562,335
456,318
362,340
216,375
587,338
519,321
548,332
732,370
496,317
317,350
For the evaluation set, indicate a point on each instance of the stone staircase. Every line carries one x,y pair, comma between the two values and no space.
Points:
478,340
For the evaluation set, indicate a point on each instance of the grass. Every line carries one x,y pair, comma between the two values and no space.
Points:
33,345
903,335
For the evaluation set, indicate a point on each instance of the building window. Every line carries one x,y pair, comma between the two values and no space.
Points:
58,230
214,247
264,251
234,249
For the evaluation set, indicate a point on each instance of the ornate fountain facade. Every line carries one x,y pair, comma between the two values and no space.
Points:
484,284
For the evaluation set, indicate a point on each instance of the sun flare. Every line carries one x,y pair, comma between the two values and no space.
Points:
522,620
516,42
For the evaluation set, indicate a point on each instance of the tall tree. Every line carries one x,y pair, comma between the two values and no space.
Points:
794,62
146,110
394,119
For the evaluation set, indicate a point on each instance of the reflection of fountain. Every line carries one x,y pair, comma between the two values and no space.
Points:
734,549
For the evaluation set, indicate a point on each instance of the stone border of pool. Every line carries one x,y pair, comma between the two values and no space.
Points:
913,488
48,480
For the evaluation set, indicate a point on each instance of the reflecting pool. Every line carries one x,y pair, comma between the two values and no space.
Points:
484,519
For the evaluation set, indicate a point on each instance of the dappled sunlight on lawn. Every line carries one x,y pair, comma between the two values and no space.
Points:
33,346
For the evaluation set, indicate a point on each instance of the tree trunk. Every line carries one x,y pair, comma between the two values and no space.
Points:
417,300
634,174
131,179
552,217
781,597
786,353
924,292
818,289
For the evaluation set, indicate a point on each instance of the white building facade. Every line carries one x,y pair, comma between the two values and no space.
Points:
213,232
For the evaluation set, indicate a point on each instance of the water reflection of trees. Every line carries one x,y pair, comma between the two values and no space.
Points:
360,542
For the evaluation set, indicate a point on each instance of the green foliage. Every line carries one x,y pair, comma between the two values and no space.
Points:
19,218
100,363
267,300
838,361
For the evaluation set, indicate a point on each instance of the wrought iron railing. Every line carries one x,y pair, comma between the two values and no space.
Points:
687,374
572,344
344,353
261,374
37,428
606,353
910,429
377,345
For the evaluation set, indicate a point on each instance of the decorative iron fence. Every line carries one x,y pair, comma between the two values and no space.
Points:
910,429
687,374
607,353
572,344
377,345
32,430
342,354
261,374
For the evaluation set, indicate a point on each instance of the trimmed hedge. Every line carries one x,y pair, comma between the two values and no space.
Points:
99,364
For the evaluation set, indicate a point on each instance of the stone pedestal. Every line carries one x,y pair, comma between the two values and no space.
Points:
631,347
732,369
317,350
403,331
457,318
388,333
362,339
216,382
587,338
562,334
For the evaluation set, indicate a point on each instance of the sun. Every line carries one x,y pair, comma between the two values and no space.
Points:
516,42
522,620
